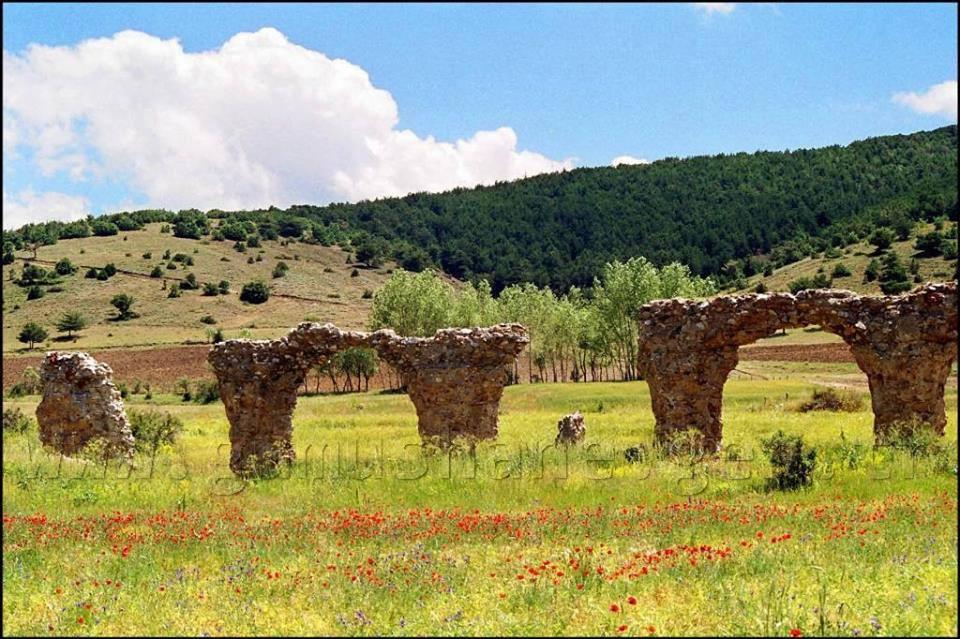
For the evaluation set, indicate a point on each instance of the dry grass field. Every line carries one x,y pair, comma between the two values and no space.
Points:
318,287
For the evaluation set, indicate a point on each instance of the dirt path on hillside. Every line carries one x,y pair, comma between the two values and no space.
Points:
162,366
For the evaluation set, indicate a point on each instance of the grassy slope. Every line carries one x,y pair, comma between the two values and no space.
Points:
163,320
856,257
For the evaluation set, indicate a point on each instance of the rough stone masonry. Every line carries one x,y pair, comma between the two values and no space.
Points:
80,404
905,344
455,380
258,381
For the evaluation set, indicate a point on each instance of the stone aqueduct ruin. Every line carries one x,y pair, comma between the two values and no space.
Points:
905,344
455,380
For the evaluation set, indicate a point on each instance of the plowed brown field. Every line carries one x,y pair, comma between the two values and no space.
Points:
161,367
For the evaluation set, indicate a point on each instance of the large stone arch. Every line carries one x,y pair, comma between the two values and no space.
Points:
455,380
905,344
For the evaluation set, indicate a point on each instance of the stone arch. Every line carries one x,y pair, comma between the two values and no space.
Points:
905,344
455,380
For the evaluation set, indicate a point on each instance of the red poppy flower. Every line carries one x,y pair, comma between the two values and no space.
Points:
614,608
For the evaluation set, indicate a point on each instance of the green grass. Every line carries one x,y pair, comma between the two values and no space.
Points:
164,320
359,549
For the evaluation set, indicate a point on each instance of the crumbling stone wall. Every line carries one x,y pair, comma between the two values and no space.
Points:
80,404
455,378
905,344
258,381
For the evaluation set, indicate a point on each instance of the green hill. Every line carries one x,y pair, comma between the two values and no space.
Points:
318,286
716,214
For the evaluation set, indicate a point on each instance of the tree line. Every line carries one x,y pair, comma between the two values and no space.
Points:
575,336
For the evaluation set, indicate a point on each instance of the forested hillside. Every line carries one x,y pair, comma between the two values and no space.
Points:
714,213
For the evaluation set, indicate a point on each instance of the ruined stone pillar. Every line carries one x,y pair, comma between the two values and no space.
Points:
258,386
455,378
81,404
258,381
906,344
686,390
906,384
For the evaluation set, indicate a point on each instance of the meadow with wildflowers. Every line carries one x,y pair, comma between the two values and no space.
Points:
366,535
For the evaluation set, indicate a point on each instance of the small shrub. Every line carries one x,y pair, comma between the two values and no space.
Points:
151,429
367,294
110,269
354,273
16,421
29,384
916,437
91,274
208,319
34,293
841,270
792,460
123,303
207,391
65,267
156,272
147,256
174,290
171,266
833,400
255,292
223,287
210,289
182,387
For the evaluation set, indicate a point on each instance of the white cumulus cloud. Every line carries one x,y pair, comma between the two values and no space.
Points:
258,121
628,159
940,99
27,207
710,8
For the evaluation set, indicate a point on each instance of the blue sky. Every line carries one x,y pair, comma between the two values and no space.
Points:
571,85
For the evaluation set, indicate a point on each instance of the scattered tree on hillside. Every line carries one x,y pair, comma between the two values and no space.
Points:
32,333
70,322
256,292
123,303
